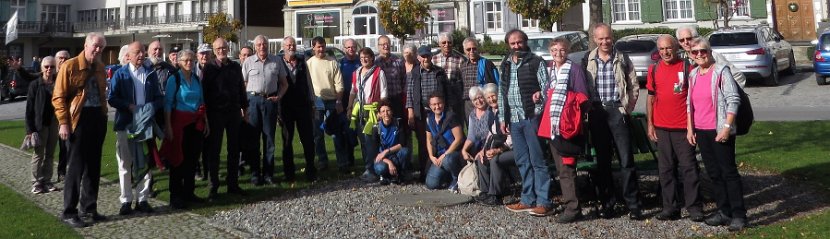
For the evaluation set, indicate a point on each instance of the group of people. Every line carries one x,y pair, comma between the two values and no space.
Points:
198,99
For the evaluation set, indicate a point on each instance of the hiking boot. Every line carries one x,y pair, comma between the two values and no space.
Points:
718,219
737,224
541,211
518,207
668,216
569,218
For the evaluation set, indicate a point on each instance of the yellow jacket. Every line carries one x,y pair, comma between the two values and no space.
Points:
69,95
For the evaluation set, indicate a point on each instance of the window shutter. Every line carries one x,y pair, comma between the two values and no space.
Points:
705,10
510,18
5,10
606,11
31,11
757,8
651,10
479,17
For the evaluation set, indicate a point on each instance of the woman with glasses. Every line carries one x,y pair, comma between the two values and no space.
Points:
184,108
713,102
42,124
368,89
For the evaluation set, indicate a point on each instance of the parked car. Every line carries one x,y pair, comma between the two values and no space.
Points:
538,44
822,58
13,85
330,51
758,51
642,50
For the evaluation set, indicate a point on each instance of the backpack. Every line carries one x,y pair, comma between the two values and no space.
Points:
468,180
745,116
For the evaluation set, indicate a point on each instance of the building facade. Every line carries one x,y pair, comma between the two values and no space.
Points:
47,26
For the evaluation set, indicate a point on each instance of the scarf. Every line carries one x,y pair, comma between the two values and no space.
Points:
559,85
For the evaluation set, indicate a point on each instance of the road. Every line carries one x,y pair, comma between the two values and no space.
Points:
797,98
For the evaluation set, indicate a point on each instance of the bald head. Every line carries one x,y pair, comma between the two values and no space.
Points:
667,47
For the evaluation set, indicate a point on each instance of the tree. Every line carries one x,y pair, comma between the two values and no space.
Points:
222,25
405,20
546,11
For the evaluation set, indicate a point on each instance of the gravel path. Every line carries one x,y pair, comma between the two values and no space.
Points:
352,209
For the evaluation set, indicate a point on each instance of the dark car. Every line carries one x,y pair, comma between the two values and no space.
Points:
822,59
13,85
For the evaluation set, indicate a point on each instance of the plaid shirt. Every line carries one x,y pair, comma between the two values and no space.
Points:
606,84
395,72
514,97
469,75
429,84
451,64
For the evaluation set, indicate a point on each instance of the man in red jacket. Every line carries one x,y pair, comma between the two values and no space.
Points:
666,108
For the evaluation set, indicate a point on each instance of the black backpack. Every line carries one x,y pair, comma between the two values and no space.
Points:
745,116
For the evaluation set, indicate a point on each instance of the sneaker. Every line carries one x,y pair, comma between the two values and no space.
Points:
51,187
38,189
718,219
518,207
384,181
541,211
737,224
569,218
75,222
126,209
199,177
144,207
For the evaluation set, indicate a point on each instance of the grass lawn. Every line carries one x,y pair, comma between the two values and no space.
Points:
20,218
794,149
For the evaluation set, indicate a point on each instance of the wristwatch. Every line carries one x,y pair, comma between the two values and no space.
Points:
728,126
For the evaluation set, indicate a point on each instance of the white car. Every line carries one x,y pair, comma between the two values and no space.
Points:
538,44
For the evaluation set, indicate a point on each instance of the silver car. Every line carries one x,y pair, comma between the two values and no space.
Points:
642,50
538,44
758,51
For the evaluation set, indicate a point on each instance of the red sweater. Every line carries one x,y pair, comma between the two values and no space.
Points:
669,91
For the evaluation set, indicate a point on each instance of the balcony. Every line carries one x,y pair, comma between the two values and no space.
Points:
43,28
177,19
99,26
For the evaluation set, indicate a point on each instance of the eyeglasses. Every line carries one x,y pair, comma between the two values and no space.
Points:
445,42
48,67
682,40
471,49
699,52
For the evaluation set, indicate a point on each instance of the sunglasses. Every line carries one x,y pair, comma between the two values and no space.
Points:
682,40
699,52
471,49
48,67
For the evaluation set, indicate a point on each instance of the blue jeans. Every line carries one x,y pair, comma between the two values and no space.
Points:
262,120
532,166
329,107
400,159
448,171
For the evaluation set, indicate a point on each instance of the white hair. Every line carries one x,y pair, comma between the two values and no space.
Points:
63,53
286,38
94,35
490,88
47,59
260,38
122,55
475,91
470,39
692,30
446,35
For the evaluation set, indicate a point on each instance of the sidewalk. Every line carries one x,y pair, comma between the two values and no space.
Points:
15,172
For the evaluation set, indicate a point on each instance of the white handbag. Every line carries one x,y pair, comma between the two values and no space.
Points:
468,180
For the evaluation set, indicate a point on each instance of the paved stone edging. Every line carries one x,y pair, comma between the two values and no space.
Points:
15,172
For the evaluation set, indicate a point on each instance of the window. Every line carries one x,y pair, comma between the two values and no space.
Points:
626,10
738,8
174,12
443,19
493,16
365,20
679,10
20,7
210,6
56,13
528,24
142,14
110,14
88,15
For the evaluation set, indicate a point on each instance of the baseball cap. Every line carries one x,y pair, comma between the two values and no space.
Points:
204,48
425,51
175,49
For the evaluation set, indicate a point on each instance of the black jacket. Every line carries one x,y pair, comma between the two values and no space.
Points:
39,109
224,88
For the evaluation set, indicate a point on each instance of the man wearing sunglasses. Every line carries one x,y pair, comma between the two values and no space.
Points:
477,71
451,63
686,35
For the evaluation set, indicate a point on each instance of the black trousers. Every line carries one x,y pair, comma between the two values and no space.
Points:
182,183
220,123
607,124
494,174
676,161
84,164
300,119
63,154
719,159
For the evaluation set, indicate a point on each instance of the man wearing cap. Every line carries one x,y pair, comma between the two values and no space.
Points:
172,56
265,86
224,93
426,79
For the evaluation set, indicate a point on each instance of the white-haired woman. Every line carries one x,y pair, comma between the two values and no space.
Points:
41,121
712,103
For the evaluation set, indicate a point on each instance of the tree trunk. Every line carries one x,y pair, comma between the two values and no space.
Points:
595,17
